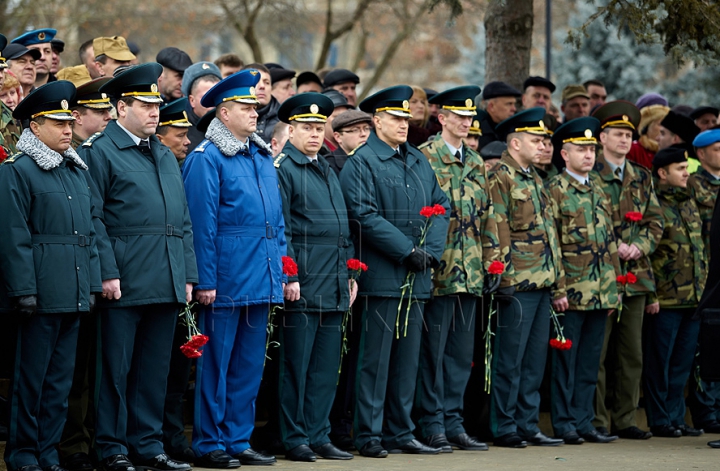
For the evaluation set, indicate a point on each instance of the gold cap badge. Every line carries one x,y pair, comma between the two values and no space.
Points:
476,124
406,104
469,102
253,72
588,133
625,118
41,36
103,95
314,108
64,104
153,88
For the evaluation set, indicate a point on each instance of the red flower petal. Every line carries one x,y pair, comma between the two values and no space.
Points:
631,278
439,210
622,279
633,216
290,268
496,268
427,211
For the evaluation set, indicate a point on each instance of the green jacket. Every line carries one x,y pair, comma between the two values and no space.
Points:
527,235
590,262
703,188
679,262
471,243
384,191
634,194
9,130
48,240
316,230
144,235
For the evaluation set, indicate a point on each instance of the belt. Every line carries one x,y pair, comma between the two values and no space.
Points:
266,232
166,230
316,240
81,240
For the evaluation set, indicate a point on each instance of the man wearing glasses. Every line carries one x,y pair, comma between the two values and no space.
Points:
350,129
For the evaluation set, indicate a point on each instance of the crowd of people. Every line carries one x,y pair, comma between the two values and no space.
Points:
381,269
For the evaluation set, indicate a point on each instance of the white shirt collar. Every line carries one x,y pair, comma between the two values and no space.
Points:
454,150
135,138
577,177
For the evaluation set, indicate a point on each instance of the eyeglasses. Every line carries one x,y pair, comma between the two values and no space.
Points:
363,130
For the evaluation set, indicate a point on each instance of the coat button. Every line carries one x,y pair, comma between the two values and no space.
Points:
69,197
77,268
75,232
79,304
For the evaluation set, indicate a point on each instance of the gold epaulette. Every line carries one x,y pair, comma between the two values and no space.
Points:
355,149
89,141
279,159
12,158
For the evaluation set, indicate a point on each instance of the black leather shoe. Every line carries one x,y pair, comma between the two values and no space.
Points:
634,433
251,457
185,456
344,442
373,449
667,431
464,441
593,436
572,438
116,463
602,430
439,440
511,440
78,462
714,444
301,453
711,427
217,459
53,467
329,451
414,447
540,439
688,431
161,462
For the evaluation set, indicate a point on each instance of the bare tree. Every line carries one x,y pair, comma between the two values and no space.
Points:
243,15
335,34
508,33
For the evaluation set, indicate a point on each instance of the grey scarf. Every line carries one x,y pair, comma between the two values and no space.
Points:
227,143
45,157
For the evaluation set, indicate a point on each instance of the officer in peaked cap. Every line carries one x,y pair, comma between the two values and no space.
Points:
388,226
233,164
45,204
315,299
91,110
174,62
173,128
141,208
3,63
40,39
527,121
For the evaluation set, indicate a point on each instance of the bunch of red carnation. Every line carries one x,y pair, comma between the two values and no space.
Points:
561,343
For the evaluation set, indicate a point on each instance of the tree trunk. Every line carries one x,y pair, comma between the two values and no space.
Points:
508,34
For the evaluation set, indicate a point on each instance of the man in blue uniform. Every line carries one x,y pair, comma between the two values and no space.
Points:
48,269
235,203
148,270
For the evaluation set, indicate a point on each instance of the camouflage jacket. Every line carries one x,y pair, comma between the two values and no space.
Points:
590,263
679,263
634,193
472,235
546,175
9,130
703,188
528,241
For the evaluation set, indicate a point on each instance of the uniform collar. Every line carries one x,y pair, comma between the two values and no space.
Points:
511,162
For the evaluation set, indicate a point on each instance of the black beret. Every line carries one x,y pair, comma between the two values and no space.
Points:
682,125
493,150
308,77
669,155
496,89
278,73
340,76
173,58
536,81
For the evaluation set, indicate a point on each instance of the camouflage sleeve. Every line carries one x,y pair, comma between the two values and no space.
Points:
489,229
499,191
556,194
651,227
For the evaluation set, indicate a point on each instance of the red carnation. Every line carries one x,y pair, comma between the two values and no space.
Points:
558,344
633,216
496,268
289,268
622,279
427,211
190,351
197,341
631,278
438,210
357,265
3,154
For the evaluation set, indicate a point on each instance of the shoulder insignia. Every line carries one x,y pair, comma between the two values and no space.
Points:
89,141
13,158
201,147
279,159
355,149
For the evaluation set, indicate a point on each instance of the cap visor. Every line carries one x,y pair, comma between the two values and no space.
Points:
310,120
401,114
247,101
465,112
60,117
149,99
98,106
124,56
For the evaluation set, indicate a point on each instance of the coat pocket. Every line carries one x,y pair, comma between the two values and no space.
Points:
522,215
225,255
119,247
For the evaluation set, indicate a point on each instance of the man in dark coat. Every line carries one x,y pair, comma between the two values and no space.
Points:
48,269
317,231
145,244
386,183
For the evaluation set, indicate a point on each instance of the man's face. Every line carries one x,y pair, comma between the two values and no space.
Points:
709,157
348,91
598,95
55,65
10,98
473,142
89,121
170,84
108,68
226,70
140,119
455,125
536,96
55,134
391,129
501,108
196,94
24,69
576,108
283,90
43,64
706,121
352,136
578,159
675,174
90,64
616,141
240,118
176,140
263,89
328,124
527,147
434,109
309,87
666,138
307,137
546,156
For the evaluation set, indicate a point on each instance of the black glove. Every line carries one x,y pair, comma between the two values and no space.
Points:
505,295
26,306
418,260
492,283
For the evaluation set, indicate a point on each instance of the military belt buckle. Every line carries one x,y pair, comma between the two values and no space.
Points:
269,232
169,230
83,240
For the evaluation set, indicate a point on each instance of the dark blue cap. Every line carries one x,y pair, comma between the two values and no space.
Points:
536,81
529,121
459,100
497,89
340,76
669,155
707,138
581,131
173,114
139,82
394,100
238,87
306,108
51,100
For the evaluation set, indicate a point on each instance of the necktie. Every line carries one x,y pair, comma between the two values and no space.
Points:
586,183
144,147
618,172
315,162
458,155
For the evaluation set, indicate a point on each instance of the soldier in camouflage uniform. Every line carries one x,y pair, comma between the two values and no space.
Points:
532,260
587,290
9,130
447,344
628,187
704,398
679,265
